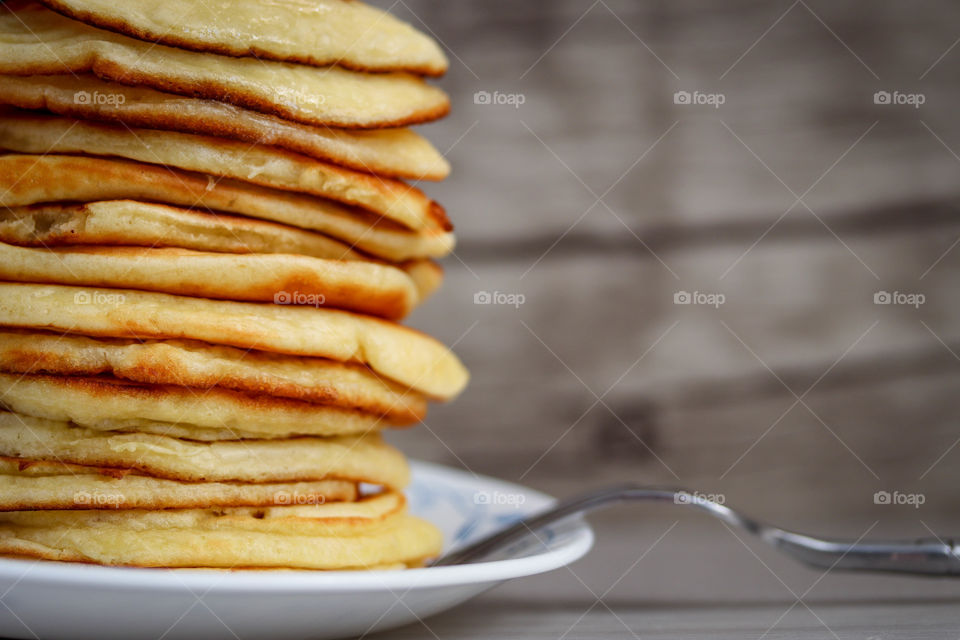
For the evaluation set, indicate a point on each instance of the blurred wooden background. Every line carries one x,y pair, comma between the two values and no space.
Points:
599,198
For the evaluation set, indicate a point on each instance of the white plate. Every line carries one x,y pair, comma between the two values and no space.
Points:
64,600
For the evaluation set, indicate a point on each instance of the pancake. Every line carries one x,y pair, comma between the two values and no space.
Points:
396,153
201,366
103,402
27,132
353,458
37,41
366,513
28,180
427,276
37,484
320,32
408,357
365,287
350,535
142,224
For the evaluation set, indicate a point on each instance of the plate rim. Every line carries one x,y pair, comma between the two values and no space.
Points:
166,580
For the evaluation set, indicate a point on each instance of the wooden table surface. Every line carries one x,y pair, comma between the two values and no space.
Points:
595,196
495,618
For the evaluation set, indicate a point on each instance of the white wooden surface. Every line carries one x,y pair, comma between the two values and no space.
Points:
799,198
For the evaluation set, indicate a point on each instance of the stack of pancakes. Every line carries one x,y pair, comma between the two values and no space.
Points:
206,245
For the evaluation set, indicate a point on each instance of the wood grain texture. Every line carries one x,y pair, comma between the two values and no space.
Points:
600,98
696,386
799,198
878,620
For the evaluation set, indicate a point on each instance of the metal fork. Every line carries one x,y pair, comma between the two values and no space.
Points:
929,556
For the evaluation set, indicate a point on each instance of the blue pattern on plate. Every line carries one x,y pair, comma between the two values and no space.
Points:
478,514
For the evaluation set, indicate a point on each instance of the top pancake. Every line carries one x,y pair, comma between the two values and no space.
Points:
35,40
320,32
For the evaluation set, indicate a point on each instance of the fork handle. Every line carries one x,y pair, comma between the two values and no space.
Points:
925,556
